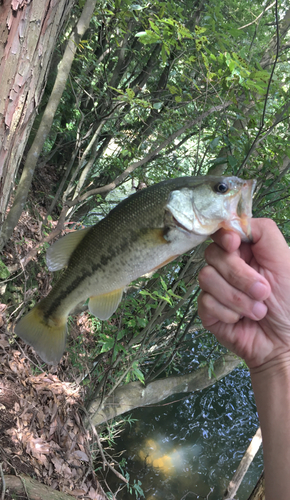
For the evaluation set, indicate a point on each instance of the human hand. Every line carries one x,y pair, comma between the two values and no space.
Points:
245,298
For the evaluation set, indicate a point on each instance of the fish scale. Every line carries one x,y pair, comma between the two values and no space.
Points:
141,234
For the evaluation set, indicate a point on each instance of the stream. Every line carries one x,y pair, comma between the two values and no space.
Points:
189,446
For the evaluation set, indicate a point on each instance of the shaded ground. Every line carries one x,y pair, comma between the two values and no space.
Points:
41,430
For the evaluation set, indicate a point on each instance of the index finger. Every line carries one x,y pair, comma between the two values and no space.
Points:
227,240
236,272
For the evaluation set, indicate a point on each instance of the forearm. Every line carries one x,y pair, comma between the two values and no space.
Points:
271,384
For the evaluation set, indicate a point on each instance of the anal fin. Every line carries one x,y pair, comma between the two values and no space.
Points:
103,306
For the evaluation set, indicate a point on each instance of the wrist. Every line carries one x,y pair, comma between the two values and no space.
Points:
271,384
279,366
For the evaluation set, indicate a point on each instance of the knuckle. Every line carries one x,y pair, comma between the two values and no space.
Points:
237,299
205,275
269,224
208,302
210,251
236,275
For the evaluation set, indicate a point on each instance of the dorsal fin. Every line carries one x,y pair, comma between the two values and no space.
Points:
58,255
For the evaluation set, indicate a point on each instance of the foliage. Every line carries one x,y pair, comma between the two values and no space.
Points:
4,271
159,90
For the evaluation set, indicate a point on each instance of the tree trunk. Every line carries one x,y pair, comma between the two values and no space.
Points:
133,395
46,122
29,30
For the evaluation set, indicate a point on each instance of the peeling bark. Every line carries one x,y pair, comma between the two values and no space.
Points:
46,122
134,395
28,33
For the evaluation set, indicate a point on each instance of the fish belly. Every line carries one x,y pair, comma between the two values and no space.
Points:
142,258
112,270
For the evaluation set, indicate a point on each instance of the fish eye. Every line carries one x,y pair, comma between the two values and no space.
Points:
221,187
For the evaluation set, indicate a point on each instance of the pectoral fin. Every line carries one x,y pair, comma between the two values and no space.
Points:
103,306
58,255
153,237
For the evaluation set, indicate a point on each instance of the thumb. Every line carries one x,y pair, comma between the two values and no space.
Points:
269,246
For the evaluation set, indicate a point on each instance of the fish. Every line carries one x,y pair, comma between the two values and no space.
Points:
141,234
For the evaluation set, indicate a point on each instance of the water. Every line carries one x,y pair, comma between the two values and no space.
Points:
189,447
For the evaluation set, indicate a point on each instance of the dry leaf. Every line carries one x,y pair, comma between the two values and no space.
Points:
58,463
81,455
77,493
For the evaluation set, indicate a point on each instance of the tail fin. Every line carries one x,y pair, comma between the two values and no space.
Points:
46,337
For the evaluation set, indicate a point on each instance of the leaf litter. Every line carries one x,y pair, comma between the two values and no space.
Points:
41,430
42,434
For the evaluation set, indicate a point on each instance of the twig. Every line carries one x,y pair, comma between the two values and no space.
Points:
267,94
3,486
258,17
105,461
33,252
11,279
148,157
24,485
197,496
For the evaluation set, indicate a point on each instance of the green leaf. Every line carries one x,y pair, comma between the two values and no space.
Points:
137,372
130,93
148,37
164,286
131,323
235,32
154,27
107,343
232,161
4,271
135,6
164,54
199,30
142,322
173,89
214,143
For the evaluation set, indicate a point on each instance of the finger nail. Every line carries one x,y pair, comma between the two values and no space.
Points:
258,290
259,310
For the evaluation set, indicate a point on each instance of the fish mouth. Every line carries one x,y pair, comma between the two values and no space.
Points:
241,220
244,208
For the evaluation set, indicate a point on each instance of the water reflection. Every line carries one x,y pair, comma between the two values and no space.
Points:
190,449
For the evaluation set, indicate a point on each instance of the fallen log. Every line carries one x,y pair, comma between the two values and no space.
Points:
26,487
135,394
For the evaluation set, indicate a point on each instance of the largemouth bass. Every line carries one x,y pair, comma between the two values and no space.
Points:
143,233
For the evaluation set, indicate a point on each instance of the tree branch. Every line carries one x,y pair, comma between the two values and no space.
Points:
46,122
134,394
121,178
